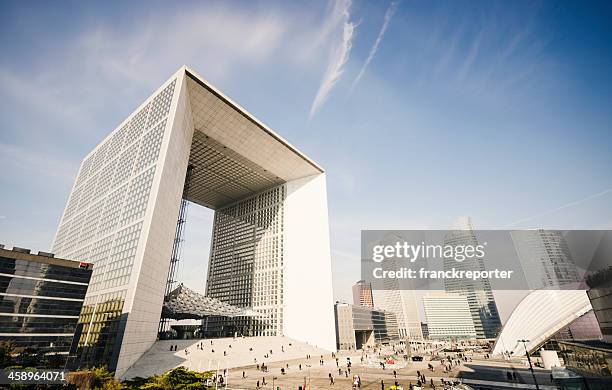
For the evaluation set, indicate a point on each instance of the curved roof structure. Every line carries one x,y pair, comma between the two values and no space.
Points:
539,316
183,303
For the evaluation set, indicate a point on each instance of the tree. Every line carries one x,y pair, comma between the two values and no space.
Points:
178,378
6,354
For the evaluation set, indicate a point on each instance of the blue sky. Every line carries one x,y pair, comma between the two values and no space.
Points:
420,112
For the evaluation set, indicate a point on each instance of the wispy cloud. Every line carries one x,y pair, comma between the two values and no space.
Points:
565,206
22,160
381,34
339,56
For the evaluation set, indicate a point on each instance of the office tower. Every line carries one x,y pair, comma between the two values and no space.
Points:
448,316
478,292
270,235
362,294
246,264
40,300
402,303
545,258
398,296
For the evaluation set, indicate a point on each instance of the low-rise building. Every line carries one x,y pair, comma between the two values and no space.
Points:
40,300
358,326
590,358
448,316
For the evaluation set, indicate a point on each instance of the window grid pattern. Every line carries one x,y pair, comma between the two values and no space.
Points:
138,196
222,176
105,179
100,318
60,237
84,172
125,164
100,253
101,220
112,211
119,266
72,203
99,158
246,264
151,144
137,125
81,254
87,192
161,104
73,235
116,142
91,222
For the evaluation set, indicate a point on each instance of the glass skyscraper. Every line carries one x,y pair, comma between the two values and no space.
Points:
479,294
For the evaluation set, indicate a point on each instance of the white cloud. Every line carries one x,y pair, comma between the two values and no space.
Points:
339,56
220,37
388,16
23,161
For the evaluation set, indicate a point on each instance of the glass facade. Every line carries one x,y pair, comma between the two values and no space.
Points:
600,296
583,328
103,221
246,264
40,301
479,293
99,326
592,358
357,326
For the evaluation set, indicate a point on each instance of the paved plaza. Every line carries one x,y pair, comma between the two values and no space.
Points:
291,364
479,374
219,353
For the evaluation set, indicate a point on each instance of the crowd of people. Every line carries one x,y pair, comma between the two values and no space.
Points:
391,360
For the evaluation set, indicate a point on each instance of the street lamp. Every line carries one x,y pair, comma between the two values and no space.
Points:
308,365
529,360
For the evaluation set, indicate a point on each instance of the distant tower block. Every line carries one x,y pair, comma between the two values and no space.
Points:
270,245
362,294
